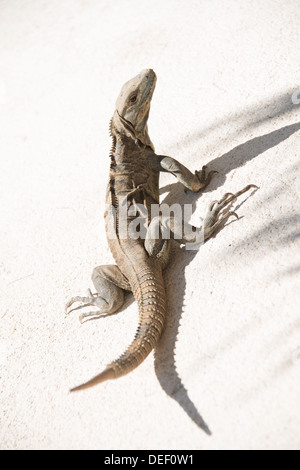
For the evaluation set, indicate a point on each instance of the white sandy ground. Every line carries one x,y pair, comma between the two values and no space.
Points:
229,360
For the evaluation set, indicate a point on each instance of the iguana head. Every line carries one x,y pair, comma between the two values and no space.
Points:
133,106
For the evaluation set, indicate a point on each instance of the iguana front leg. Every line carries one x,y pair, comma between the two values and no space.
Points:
192,181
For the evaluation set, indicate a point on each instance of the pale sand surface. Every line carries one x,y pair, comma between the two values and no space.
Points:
229,360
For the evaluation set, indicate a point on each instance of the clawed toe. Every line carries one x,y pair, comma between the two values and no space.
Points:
204,178
84,300
85,316
92,300
220,204
223,217
228,198
216,214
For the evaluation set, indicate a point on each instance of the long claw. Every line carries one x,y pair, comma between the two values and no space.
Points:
85,315
225,197
223,216
76,299
213,204
234,214
90,304
230,197
216,216
92,300
204,178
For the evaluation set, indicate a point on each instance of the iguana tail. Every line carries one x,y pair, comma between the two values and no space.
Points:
148,289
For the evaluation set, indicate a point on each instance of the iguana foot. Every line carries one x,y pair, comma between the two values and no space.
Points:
85,300
109,297
203,177
215,217
92,300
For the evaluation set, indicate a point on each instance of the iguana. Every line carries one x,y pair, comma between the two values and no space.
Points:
140,262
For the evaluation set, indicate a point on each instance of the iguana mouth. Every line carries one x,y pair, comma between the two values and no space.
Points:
131,128
152,83
126,122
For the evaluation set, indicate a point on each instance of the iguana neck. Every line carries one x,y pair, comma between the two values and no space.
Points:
126,149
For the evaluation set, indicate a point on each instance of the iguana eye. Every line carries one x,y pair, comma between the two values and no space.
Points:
133,99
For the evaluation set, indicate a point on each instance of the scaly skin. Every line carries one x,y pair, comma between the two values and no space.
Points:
134,178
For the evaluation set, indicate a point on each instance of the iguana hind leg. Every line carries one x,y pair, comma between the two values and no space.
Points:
214,218
215,215
161,227
110,284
